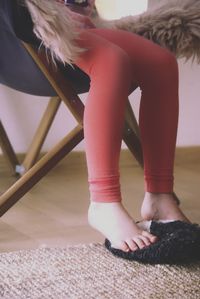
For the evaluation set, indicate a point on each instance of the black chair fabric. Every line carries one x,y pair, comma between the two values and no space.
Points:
17,68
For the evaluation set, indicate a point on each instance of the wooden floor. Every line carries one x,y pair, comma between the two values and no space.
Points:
54,213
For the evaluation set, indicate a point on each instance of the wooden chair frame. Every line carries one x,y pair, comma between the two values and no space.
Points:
32,171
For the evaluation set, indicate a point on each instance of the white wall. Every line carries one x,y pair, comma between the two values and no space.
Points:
113,9
20,113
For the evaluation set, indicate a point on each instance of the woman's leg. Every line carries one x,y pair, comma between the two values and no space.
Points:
155,71
110,72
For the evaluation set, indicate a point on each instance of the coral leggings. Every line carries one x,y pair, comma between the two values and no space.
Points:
116,61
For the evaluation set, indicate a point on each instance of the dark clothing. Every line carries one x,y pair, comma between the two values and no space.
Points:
23,24
84,3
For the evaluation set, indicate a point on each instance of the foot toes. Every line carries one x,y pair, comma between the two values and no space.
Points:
151,237
139,242
146,240
121,245
132,245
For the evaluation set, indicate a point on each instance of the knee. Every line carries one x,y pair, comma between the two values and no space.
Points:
117,57
113,60
168,62
164,72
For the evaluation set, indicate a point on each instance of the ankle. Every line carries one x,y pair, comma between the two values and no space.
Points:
102,203
152,203
157,196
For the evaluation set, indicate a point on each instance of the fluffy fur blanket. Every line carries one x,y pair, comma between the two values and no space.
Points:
175,25
54,25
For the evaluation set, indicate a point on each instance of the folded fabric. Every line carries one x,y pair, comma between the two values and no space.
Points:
178,243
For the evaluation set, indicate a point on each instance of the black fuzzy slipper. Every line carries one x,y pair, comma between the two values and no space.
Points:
178,243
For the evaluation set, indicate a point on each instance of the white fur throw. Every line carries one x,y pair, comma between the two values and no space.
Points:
55,27
175,25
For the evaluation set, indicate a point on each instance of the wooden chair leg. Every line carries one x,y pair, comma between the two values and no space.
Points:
130,117
41,133
131,135
67,94
133,143
42,167
8,149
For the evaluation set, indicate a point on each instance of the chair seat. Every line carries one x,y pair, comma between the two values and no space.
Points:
19,71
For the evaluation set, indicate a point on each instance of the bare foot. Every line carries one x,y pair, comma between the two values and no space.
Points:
161,206
113,221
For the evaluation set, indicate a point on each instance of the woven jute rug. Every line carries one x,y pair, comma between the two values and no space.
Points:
90,271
